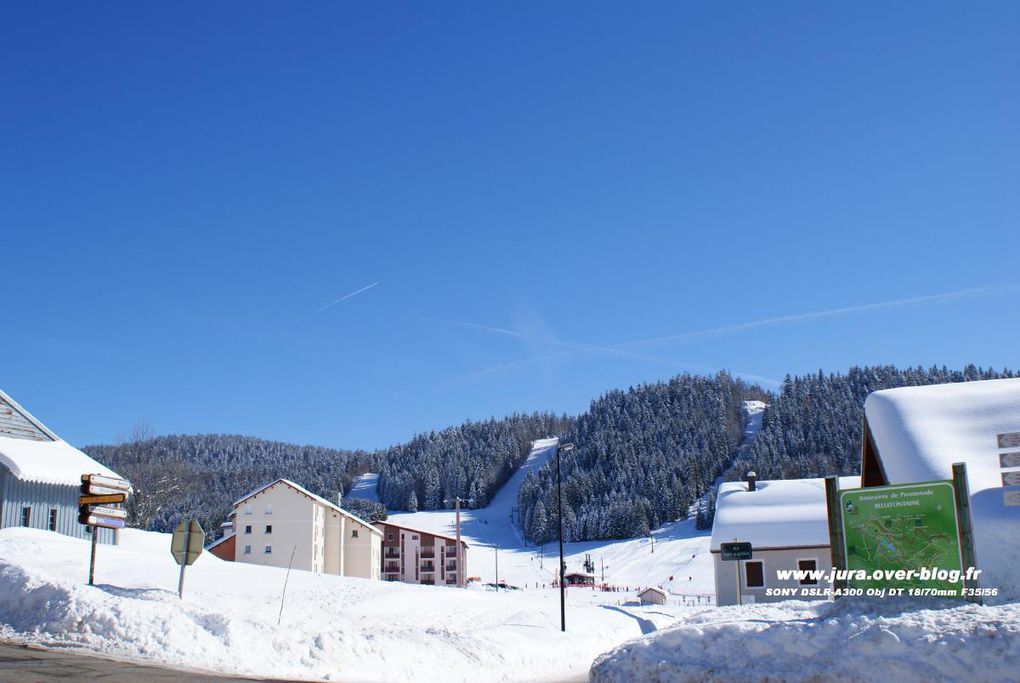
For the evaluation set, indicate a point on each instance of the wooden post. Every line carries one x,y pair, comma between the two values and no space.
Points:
835,532
963,520
92,561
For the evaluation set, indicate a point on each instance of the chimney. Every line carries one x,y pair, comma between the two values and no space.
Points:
752,480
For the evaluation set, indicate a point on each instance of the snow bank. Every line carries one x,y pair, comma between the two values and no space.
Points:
333,628
848,640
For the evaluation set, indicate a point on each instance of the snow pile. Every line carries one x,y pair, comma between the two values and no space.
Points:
48,462
333,628
921,431
849,640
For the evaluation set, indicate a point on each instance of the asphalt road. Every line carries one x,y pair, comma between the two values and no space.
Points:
32,665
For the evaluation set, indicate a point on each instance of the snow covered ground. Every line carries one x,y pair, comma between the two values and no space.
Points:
868,640
332,628
365,487
680,550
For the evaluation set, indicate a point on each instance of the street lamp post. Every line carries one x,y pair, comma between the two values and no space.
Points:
567,447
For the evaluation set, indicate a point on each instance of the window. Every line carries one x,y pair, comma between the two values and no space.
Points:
269,528
247,550
414,537
247,509
53,519
247,528
269,509
269,550
26,516
88,530
389,537
754,574
354,533
808,566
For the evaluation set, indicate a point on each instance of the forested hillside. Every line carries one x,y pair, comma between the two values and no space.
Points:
641,458
814,427
470,461
202,475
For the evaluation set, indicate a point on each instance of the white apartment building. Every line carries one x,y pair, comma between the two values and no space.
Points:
415,556
284,518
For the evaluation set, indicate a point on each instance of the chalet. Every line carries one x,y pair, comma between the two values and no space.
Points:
652,596
282,519
40,476
915,434
786,523
416,556
579,579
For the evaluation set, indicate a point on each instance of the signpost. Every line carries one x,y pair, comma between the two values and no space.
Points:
736,551
186,545
902,527
98,493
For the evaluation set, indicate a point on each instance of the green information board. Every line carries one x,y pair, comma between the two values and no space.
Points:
904,527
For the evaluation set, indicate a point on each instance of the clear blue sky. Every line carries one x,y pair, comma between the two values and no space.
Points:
185,187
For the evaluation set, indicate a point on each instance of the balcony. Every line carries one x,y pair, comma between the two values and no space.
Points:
428,553
392,552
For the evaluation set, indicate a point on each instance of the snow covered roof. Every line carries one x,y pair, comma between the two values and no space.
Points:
318,499
779,514
49,460
919,432
651,589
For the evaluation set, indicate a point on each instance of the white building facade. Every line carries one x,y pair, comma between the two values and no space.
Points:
284,519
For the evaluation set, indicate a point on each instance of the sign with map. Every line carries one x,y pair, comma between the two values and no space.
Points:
902,527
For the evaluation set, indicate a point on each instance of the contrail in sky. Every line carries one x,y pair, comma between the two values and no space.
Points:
348,296
739,327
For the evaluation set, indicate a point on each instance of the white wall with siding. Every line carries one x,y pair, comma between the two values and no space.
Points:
15,495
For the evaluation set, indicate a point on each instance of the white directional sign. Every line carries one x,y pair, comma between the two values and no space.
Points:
1011,498
106,482
1009,440
1009,459
1011,478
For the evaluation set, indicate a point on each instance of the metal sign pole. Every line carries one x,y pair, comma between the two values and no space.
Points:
92,561
184,564
740,597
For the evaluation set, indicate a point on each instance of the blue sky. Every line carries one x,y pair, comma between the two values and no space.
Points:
542,202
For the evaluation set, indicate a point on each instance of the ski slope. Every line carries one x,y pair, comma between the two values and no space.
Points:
365,487
680,550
